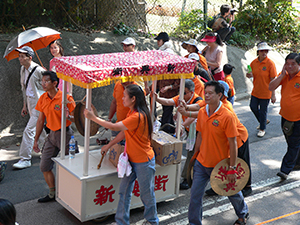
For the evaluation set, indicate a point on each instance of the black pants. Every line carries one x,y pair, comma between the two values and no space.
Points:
225,33
244,154
167,117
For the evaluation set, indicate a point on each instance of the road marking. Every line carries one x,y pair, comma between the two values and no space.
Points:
228,206
278,218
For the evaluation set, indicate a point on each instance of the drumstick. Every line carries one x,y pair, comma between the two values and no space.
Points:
99,165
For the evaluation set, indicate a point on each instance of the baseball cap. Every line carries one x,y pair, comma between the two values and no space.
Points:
26,50
162,36
226,87
194,56
129,41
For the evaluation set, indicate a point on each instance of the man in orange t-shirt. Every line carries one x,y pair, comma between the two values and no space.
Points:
50,105
216,140
289,79
227,69
263,71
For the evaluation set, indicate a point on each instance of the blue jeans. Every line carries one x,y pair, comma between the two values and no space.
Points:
145,173
293,142
260,109
200,180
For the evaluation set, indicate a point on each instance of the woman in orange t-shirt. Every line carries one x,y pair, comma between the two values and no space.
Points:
263,71
136,128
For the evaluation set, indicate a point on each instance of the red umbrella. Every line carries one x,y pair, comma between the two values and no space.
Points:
36,38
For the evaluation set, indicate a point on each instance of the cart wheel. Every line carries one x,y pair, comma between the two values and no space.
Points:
190,172
100,219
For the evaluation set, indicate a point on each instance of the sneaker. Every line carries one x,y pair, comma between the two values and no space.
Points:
210,192
22,164
258,127
3,166
247,191
261,133
184,185
46,199
282,175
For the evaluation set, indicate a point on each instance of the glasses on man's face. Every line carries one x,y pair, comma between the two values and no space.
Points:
45,81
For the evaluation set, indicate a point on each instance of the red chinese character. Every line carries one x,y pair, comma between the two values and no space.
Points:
103,194
136,189
223,173
230,186
160,182
240,171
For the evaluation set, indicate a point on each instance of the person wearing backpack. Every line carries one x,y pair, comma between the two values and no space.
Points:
223,27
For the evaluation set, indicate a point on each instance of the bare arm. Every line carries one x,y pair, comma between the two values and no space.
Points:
109,125
39,130
276,81
116,140
197,145
233,156
164,101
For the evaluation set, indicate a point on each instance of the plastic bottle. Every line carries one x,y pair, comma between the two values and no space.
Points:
249,69
72,145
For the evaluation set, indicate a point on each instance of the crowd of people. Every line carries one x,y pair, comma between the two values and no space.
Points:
213,129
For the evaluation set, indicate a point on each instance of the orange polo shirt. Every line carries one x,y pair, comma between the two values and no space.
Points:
176,98
52,109
242,130
215,131
138,145
118,94
262,72
202,60
230,82
199,87
290,98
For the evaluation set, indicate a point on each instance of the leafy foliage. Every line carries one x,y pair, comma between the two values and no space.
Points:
272,21
190,25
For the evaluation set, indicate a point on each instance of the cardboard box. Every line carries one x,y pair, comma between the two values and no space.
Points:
115,152
168,149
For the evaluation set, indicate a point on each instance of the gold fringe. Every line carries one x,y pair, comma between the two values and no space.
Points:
123,79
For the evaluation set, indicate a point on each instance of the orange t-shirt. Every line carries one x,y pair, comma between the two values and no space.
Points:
118,94
176,98
202,60
290,98
263,72
215,131
199,87
138,145
243,133
230,82
52,109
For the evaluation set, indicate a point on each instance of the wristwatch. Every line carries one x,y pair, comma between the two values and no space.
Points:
232,167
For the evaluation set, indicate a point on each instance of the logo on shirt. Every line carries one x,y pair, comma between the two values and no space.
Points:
264,68
297,85
215,123
57,107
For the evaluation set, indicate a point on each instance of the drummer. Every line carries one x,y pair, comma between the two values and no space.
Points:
216,140
136,128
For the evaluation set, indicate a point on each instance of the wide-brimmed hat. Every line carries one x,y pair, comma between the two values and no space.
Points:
209,38
128,41
80,119
192,42
194,56
263,46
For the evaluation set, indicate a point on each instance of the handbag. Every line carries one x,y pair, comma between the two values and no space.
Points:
124,167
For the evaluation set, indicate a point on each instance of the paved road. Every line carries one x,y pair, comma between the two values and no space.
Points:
270,200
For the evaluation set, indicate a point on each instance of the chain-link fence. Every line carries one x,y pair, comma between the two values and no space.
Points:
148,15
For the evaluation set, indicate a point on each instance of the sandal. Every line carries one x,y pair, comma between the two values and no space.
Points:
238,222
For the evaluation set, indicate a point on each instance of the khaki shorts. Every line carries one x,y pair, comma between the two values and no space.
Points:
51,148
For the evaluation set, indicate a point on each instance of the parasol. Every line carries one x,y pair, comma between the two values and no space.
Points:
36,38
92,71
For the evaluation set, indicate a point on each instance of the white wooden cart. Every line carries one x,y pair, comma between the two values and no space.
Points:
81,188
